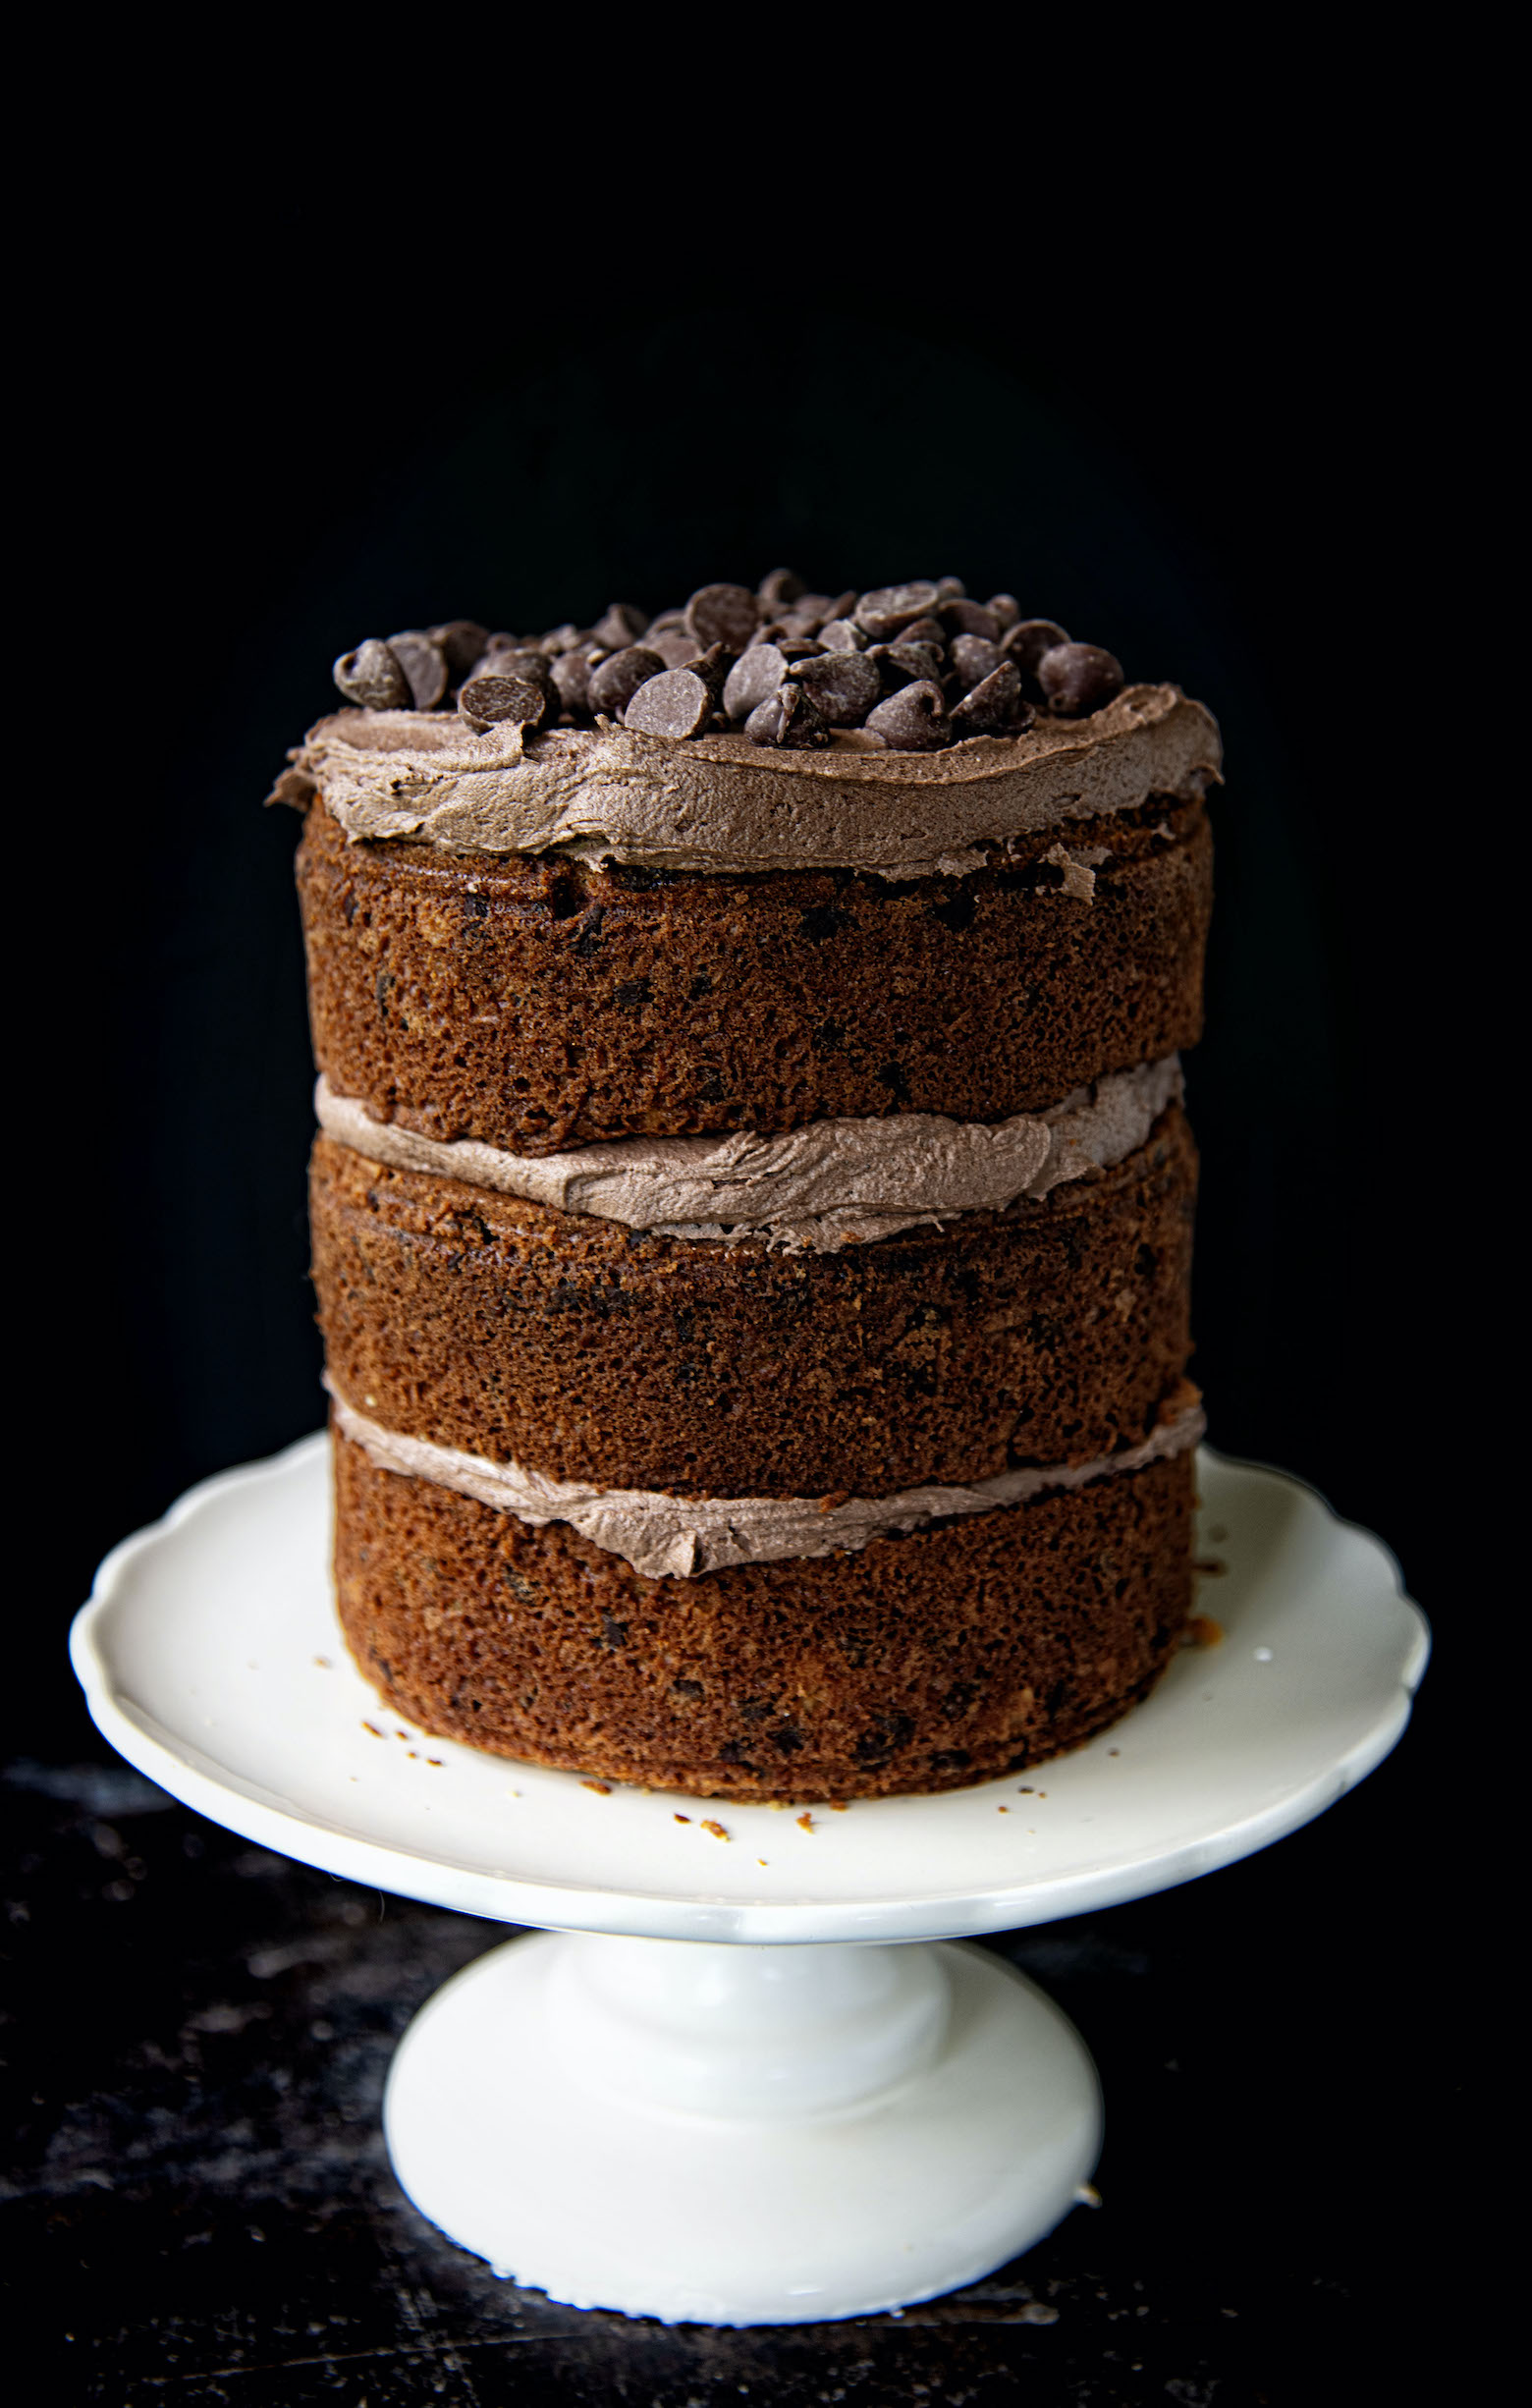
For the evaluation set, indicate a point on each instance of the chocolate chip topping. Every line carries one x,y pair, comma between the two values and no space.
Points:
956,668
676,646
889,608
570,674
615,681
1029,640
974,659
915,720
371,678
723,615
790,719
486,702
754,675
844,685
780,589
1077,678
424,665
970,619
461,642
996,706
620,626
843,635
903,664
678,703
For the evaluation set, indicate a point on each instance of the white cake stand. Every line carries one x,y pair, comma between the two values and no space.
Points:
735,2130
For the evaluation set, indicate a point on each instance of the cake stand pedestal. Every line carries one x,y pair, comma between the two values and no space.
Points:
731,2080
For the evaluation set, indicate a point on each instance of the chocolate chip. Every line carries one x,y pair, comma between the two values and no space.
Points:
424,665
971,619
677,705
780,589
1077,678
915,720
904,664
843,635
570,674
788,719
723,615
889,608
754,675
712,667
461,640
1027,641
1006,608
676,644
844,684
620,627
371,678
996,706
560,640
974,659
487,702
925,632
523,663
950,589
616,680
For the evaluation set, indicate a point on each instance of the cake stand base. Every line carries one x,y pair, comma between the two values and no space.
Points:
742,2135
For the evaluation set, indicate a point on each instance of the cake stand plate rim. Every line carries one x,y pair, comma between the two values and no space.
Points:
704,1911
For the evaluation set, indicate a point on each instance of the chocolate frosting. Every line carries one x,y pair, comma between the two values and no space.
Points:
831,1184
679,1537
719,802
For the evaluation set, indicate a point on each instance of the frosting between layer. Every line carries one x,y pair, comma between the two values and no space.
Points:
719,802
679,1537
829,1185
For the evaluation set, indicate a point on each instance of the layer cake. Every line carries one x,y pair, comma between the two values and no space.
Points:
752,1205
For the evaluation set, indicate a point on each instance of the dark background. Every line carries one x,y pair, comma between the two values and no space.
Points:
1251,484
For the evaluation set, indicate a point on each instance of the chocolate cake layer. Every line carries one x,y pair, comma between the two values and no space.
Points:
1046,1334
961,1652
538,1002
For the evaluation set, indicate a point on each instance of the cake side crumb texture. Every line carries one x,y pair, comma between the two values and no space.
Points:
927,1662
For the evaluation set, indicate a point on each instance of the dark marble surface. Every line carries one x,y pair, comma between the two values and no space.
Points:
198,2209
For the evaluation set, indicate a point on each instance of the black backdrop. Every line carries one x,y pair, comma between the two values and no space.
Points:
1247,492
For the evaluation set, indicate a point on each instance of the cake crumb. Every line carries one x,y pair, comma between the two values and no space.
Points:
778,1805
761,1861
838,1807
716,1828
1114,1751
1026,1789
372,1726
1202,1632
436,1760
1003,1810
413,1754
324,1664
805,1822
681,1818
602,1788
1212,1567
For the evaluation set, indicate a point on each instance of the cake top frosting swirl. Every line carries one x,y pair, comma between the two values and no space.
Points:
721,803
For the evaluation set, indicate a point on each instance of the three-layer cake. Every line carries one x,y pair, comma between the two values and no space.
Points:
752,1208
